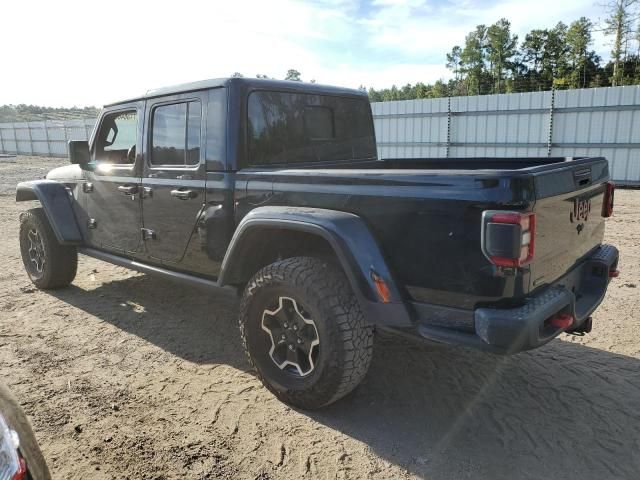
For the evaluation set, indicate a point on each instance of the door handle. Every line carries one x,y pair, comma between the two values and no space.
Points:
183,194
128,189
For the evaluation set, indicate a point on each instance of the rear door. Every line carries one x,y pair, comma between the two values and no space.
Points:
173,179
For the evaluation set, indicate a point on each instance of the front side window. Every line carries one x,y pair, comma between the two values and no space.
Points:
116,139
175,134
286,128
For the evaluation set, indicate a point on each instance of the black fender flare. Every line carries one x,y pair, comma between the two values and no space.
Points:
353,243
56,200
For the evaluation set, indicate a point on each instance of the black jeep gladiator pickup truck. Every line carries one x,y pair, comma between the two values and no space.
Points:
274,188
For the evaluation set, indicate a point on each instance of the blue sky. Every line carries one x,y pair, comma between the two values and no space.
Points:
76,52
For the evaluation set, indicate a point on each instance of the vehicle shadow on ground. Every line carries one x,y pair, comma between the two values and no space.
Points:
195,325
562,411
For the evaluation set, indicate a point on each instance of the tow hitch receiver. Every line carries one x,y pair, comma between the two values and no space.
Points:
584,327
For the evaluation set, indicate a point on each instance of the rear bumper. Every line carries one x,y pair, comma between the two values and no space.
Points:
505,331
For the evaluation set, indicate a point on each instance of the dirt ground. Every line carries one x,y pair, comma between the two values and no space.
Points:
128,376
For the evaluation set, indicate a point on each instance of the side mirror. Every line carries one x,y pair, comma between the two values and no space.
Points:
79,152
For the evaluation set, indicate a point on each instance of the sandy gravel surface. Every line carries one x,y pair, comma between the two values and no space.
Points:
127,376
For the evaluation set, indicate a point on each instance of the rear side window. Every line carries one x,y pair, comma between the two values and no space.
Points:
286,128
216,129
175,134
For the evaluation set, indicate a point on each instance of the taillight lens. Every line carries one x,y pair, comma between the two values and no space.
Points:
508,238
607,205
12,466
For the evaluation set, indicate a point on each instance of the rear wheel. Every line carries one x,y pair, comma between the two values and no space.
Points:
304,332
48,263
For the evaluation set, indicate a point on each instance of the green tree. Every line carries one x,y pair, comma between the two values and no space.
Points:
454,61
439,90
637,62
545,55
421,90
374,95
293,75
472,59
532,52
555,62
407,92
501,48
237,75
584,62
390,94
619,23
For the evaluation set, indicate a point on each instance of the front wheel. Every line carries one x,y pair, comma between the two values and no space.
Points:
304,332
48,263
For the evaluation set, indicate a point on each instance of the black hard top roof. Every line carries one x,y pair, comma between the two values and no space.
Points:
250,83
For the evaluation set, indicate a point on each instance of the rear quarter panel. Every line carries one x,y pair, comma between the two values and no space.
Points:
427,224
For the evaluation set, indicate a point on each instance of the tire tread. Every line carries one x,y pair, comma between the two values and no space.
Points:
320,280
62,259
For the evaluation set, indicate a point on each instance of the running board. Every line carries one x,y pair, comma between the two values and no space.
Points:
152,270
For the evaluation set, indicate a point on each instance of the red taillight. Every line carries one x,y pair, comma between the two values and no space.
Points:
12,465
607,204
21,474
509,238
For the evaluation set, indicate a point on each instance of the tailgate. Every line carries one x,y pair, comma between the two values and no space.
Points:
569,221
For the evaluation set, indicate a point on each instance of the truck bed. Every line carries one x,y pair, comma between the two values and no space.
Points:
426,214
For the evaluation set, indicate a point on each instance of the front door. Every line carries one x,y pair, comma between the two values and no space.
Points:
112,184
173,180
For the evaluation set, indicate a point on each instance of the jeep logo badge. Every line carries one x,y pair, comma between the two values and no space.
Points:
580,213
581,210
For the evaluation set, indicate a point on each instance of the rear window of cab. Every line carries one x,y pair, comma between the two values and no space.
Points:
286,128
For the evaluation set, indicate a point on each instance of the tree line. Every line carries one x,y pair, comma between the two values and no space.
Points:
291,75
25,113
492,58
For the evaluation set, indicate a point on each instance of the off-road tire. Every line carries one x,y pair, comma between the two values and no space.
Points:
60,261
346,341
